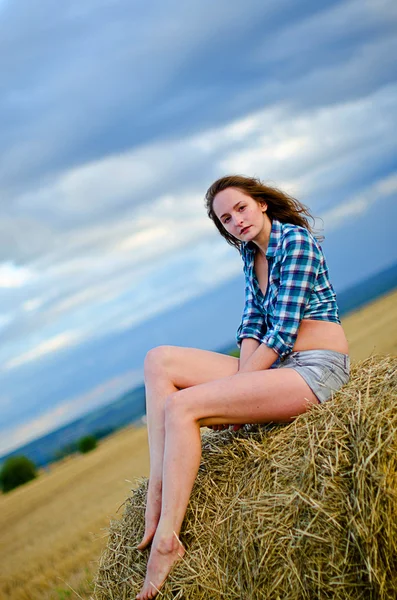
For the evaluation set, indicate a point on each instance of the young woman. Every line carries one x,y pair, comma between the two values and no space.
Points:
293,353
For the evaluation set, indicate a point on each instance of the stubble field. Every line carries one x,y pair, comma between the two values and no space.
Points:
54,528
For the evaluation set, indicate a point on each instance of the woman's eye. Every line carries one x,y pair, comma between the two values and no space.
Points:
241,208
226,220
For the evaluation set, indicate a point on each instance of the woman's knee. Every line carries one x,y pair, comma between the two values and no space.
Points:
176,408
158,360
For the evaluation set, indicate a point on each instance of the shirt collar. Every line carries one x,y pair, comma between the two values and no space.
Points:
274,239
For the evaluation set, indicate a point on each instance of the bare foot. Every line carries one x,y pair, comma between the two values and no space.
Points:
152,514
163,556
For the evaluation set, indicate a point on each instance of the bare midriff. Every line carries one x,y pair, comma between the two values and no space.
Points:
321,335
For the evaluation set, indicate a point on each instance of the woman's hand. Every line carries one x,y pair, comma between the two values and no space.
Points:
223,427
261,359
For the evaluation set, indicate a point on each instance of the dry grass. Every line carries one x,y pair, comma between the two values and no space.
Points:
52,528
373,328
291,512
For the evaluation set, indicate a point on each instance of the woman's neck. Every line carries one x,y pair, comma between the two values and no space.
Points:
262,240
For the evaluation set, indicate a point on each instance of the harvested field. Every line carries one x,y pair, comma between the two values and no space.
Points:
372,329
54,528
305,510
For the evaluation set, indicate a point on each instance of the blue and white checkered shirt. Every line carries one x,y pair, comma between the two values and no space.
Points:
298,288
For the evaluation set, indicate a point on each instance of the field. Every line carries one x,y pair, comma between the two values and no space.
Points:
53,529
373,328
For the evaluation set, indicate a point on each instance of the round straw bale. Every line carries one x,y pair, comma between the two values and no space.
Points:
285,512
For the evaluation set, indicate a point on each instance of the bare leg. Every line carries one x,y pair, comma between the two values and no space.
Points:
258,397
168,369
158,387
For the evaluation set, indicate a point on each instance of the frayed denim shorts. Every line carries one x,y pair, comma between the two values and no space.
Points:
324,371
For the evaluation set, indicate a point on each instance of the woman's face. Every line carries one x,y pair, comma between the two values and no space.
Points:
239,214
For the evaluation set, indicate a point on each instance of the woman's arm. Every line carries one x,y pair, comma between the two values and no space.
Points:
298,272
250,331
247,349
262,358
299,268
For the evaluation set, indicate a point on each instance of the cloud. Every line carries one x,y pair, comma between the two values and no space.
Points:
5,320
117,77
13,276
33,304
114,268
361,202
54,344
83,208
310,150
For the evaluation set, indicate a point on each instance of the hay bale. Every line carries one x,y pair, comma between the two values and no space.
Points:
305,510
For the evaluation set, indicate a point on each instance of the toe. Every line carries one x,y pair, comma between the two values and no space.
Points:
147,538
142,545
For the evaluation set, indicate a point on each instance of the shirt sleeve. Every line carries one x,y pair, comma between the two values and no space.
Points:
253,319
299,268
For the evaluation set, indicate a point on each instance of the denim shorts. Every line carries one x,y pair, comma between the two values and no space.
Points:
324,371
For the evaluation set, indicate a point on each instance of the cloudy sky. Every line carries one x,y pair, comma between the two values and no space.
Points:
116,116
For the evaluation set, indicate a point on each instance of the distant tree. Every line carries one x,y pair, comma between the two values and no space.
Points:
65,451
16,471
87,443
104,432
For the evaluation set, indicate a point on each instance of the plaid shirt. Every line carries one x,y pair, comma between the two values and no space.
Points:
298,288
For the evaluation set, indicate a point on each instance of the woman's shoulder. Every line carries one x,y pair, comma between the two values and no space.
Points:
300,244
296,234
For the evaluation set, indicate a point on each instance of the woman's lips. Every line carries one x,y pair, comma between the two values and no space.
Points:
245,230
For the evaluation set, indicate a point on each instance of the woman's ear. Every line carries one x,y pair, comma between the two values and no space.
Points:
264,206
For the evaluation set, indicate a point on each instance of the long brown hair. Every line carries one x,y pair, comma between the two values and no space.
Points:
280,205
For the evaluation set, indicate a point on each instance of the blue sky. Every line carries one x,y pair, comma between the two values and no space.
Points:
116,117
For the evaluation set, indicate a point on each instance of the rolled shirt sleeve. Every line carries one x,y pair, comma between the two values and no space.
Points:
300,263
253,319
